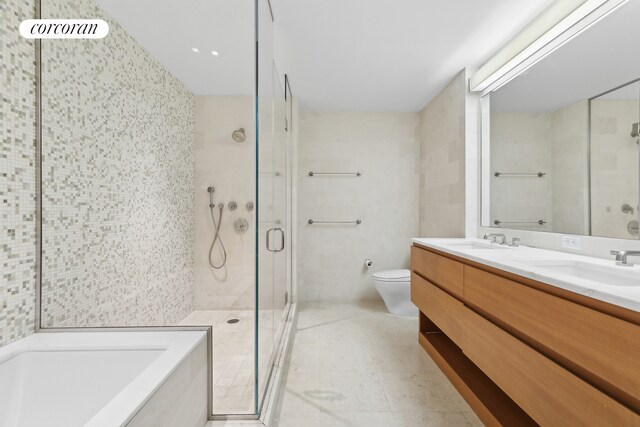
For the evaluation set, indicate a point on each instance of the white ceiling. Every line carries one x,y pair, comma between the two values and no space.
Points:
355,55
169,29
603,57
388,55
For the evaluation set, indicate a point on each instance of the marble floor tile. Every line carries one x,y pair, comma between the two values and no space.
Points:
355,365
350,392
345,358
401,359
430,419
306,419
233,358
298,391
421,392
304,359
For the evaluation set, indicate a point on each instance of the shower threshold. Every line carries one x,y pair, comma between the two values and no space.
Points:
234,388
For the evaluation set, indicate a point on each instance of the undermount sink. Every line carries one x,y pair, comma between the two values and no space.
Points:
476,245
611,276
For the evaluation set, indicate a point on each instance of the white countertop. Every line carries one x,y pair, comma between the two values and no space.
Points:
530,262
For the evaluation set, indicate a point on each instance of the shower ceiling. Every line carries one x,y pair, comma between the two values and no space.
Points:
169,30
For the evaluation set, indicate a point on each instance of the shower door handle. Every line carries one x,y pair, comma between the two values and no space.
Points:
269,240
281,239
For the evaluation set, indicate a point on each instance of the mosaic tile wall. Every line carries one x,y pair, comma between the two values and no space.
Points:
17,173
118,181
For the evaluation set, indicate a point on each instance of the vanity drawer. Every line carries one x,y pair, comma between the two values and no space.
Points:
551,395
442,271
443,309
601,348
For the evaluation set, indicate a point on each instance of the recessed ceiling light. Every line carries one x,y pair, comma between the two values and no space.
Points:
214,53
195,49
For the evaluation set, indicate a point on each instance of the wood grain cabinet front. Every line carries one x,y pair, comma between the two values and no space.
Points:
442,271
562,362
550,394
444,310
598,347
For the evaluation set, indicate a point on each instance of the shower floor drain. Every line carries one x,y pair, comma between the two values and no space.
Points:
233,320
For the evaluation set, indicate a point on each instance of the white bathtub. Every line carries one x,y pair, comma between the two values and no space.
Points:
98,379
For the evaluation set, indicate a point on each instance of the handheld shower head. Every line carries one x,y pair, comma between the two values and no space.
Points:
239,135
211,190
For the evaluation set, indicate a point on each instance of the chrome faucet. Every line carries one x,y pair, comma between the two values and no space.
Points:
494,236
621,257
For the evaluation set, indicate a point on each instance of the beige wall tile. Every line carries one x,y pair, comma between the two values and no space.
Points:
442,167
228,166
385,148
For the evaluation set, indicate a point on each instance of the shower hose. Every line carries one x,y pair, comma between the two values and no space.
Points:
216,238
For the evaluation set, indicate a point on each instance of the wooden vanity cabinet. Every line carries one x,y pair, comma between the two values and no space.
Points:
522,352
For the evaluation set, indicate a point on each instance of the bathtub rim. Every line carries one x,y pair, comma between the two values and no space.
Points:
124,406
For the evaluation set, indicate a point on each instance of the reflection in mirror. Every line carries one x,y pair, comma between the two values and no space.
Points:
614,162
539,172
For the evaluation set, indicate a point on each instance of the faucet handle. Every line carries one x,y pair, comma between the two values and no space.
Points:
515,242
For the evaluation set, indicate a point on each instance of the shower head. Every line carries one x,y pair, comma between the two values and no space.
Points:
239,135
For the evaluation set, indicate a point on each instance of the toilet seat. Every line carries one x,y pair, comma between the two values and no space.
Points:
402,275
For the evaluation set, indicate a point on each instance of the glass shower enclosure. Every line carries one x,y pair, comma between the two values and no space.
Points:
144,138
614,118
273,160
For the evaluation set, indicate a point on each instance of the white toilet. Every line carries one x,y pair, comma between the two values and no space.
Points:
394,286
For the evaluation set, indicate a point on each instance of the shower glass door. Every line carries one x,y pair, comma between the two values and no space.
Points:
280,206
615,162
152,145
273,207
273,250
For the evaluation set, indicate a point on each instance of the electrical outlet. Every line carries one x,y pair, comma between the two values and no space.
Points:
571,242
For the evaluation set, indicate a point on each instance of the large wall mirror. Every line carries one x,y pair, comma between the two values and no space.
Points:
560,140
